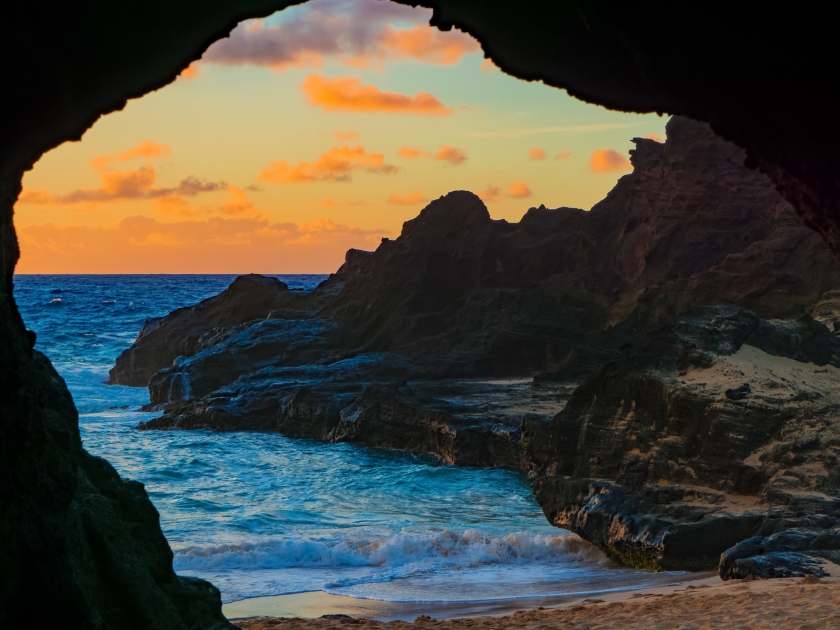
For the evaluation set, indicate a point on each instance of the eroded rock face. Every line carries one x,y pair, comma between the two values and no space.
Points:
654,463
188,330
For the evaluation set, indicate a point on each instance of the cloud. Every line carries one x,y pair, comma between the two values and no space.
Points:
445,153
493,193
121,185
411,199
356,33
519,190
329,203
487,65
451,155
145,149
139,244
536,154
349,94
412,153
335,165
240,205
516,190
653,136
608,161
428,45
346,135
563,155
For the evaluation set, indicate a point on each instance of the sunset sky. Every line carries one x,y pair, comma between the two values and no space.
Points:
321,128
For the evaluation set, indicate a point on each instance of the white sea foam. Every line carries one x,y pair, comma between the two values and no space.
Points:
448,548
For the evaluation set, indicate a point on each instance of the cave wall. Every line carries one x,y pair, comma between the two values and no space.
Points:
70,530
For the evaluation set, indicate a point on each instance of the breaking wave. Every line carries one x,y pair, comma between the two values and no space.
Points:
452,549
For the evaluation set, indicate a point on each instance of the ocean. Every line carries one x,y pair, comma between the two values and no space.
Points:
261,514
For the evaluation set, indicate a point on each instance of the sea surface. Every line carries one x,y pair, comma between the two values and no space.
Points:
260,514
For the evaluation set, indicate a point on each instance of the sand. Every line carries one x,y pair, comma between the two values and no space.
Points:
803,604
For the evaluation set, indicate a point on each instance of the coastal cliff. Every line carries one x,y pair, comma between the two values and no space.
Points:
641,361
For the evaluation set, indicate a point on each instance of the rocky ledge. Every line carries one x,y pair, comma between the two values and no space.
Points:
664,366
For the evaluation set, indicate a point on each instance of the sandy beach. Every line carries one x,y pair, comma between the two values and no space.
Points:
709,603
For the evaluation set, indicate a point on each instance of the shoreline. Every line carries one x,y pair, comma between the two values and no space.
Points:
314,604
801,603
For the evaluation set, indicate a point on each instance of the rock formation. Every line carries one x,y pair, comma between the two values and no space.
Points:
686,304
652,461
247,298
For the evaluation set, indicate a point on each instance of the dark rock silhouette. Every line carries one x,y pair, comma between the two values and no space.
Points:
558,292
247,298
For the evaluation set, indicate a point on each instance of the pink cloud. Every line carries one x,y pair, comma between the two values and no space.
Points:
358,34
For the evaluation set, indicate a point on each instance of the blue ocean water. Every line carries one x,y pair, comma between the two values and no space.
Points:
260,514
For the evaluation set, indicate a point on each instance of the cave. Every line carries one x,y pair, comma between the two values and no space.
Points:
75,534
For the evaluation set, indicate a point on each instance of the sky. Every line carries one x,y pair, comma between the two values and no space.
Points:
318,129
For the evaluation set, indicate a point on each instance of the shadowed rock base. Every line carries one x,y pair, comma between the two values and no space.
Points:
81,547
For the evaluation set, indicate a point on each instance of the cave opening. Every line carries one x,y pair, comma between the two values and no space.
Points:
316,130
765,314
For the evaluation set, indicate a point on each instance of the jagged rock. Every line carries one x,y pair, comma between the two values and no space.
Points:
556,294
188,330
791,553
651,461
468,423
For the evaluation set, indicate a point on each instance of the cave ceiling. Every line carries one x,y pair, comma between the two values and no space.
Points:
762,77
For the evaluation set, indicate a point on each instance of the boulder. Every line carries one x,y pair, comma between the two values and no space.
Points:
790,553
190,329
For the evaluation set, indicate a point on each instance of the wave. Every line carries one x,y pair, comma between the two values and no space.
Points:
466,549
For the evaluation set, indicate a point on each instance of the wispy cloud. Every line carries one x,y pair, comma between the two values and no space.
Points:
536,154
411,199
349,94
450,155
515,190
119,184
335,165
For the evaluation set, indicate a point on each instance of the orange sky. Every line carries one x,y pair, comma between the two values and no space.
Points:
321,128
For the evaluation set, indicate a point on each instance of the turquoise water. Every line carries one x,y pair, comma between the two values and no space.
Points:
260,514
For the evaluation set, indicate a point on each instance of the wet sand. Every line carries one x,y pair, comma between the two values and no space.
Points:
781,604
315,604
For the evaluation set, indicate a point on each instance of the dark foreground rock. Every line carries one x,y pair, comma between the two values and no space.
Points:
81,547
686,305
